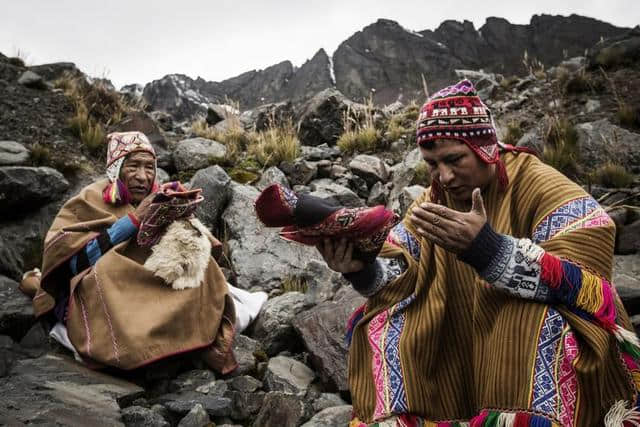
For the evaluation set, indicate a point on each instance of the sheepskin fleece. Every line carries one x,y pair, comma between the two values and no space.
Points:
182,255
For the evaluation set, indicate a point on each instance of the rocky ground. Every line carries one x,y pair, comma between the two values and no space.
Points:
292,359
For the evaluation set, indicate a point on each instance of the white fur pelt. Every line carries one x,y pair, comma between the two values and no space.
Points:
182,255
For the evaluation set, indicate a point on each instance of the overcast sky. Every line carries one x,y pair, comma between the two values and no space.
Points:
134,41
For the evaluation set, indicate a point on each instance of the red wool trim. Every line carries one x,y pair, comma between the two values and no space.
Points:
552,271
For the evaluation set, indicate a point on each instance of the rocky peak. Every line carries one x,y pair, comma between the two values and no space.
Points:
312,77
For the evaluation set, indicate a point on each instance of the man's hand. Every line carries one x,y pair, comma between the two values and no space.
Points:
448,228
338,256
143,208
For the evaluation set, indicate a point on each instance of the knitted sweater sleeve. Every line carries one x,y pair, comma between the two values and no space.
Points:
121,230
525,270
382,271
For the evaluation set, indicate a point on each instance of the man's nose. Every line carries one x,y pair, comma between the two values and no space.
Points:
446,175
140,174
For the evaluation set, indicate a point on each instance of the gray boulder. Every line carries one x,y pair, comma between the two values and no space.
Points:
626,279
32,80
601,141
245,349
327,400
628,239
245,405
13,153
408,196
197,153
197,417
162,176
273,328
244,384
288,376
337,416
321,118
281,410
404,174
259,256
21,240
216,190
16,310
322,282
273,175
181,404
320,152
379,194
190,380
326,189
73,395
370,168
322,329
23,187
300,172
138,416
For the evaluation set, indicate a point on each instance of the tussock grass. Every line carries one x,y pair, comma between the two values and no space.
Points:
561,150
88,130
507,82
40,155
513,134
579,82
236,139
627,115
96,108
275,144
294,284
422,175
612,175
360,133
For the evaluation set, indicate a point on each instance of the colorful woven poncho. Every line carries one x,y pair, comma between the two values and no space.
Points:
440,345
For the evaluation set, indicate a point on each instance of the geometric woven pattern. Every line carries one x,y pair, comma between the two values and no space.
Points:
544,396
583,212
399,236
384,333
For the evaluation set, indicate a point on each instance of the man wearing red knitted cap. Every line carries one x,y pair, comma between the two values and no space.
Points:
490,304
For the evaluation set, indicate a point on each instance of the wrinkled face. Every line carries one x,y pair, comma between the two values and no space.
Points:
457,168
138,173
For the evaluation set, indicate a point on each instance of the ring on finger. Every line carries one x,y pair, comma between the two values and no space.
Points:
436,220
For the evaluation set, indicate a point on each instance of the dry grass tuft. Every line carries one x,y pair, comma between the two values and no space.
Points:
276,144
561,149
513,134
294,284
96,108
422,175
612,175
360,133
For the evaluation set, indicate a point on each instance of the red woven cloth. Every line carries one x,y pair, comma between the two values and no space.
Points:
367,228
173,201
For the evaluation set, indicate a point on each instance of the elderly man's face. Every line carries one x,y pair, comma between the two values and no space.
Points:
458,169
138,173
